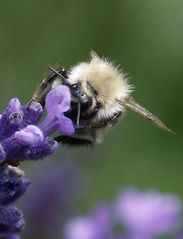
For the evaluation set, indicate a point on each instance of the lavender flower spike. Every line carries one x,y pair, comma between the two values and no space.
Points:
22,137
12,186
148,214
11,220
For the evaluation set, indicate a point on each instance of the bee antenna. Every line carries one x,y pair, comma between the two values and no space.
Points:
56,72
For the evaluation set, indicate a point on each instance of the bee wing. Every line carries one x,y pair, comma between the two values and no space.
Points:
136,107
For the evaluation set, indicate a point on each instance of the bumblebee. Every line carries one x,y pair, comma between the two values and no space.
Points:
100,94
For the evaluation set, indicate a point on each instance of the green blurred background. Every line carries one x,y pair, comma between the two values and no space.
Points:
146,38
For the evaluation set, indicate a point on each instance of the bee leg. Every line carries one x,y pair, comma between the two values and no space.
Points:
73,141
43,88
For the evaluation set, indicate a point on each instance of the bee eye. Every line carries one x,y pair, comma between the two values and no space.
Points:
74,86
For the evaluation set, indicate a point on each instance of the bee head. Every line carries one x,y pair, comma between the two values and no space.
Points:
84,104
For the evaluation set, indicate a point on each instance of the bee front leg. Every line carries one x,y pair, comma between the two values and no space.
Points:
42,89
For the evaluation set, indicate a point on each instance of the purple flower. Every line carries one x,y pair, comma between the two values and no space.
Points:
141,216
12,186
11,119
29,136
11,220
148,214
81,227
23,137
32,113
95,226
57,102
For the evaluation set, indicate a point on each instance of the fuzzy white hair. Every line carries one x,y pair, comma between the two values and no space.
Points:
109,82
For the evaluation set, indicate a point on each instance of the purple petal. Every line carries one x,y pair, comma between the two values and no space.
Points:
29,136
33,113
40,151
11,220
49,124
58,99
78,228
102,217
16,191
96,226
66,126
11,119
13,106
57,102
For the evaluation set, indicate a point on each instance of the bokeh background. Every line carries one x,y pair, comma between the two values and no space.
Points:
144,37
